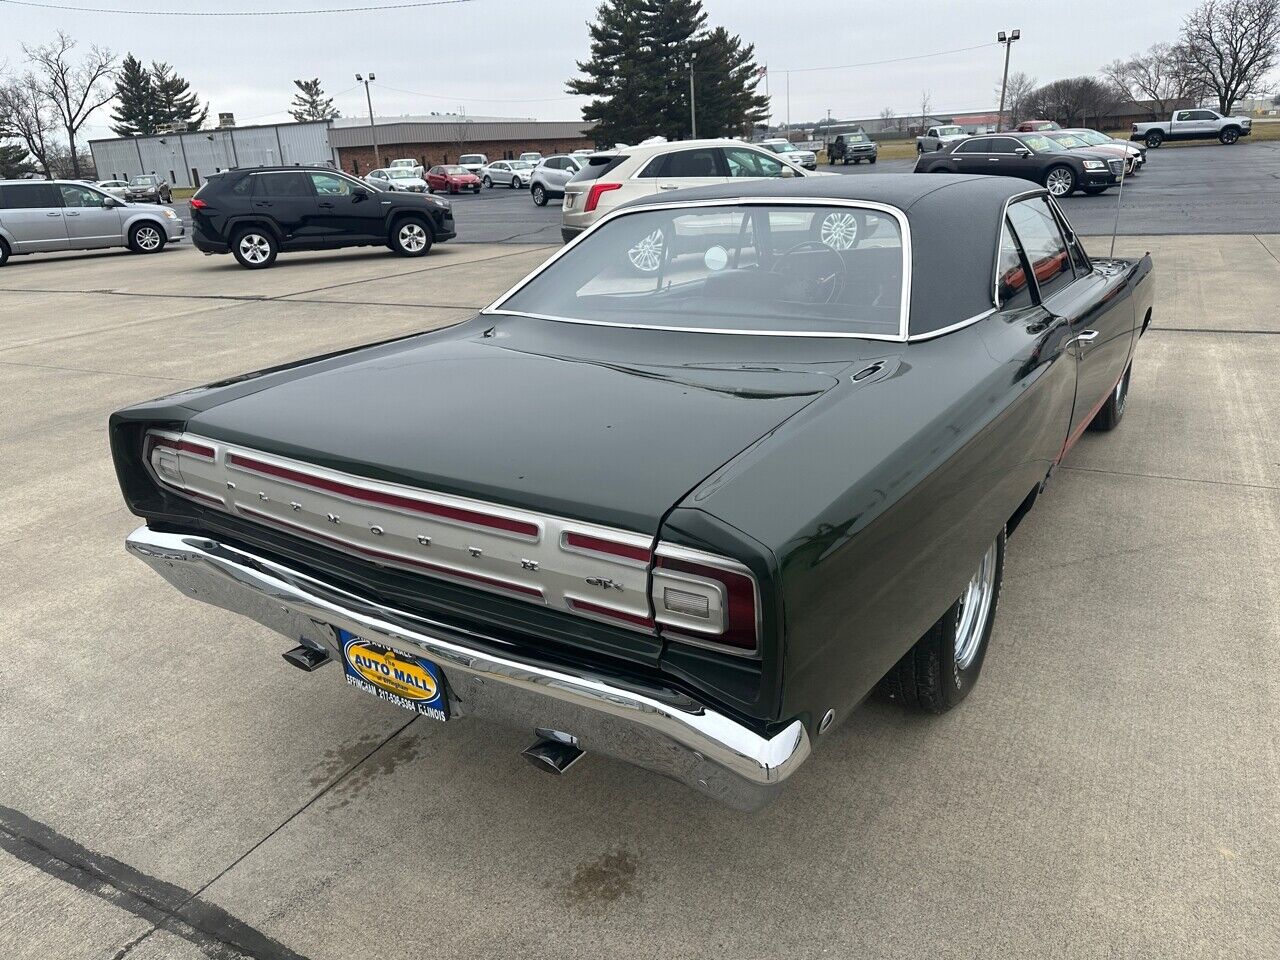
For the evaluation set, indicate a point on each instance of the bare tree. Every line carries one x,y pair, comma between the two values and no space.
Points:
25,115
887,119
1233,45
1017,96
75,90
1075,101
926,105
1163,77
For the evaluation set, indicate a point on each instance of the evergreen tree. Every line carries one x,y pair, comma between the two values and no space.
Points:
14,161
642,52
618,75
310,103
175,106
135,97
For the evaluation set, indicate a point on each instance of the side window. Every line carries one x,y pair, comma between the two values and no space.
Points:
976,145
685,164
1004,145
244,186
1013,290
1183,115
73,196
30,196
751,163
327,185
281,185
1041,240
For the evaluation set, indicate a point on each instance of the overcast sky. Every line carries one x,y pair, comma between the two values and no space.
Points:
511,57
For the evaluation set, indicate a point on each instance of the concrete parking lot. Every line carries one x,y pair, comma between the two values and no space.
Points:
171,789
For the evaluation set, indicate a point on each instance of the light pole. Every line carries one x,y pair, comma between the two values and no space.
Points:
1007,40
373,130
693,107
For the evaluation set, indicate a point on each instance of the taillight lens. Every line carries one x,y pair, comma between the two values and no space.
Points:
597,189
706,600
197,203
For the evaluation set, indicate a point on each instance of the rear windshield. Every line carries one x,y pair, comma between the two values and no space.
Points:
949,131
596,167
471,158
759,267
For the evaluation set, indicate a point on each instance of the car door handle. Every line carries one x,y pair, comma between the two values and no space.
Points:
326,203
55,213
71,213
668,186
1085,336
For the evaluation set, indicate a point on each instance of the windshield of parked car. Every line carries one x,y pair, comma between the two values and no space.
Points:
1094,138
783,147
1043,144
855,138
1069,140
454,171
471,158
949,131
521,165
144,181
748,267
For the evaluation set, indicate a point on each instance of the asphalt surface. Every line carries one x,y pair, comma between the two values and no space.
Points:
170,789
1199,188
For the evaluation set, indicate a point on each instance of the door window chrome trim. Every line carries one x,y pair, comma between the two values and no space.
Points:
904,229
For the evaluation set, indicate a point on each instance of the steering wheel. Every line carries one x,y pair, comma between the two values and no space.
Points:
820,290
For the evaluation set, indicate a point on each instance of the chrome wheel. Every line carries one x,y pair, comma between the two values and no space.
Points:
646,255
255,248
1060,182
412,238
148,239
975,609
839,231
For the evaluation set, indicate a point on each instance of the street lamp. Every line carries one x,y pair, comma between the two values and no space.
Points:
1007,40
693,110
373,130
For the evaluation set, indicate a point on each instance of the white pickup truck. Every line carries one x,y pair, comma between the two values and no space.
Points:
1196,124
935,138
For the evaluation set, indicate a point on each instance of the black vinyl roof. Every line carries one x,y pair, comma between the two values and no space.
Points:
955,229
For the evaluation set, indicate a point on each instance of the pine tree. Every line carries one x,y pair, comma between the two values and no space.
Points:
175,106
310,103
135,97
14,161
641,55
618,76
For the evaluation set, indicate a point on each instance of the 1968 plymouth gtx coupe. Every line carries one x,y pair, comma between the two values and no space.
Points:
728,462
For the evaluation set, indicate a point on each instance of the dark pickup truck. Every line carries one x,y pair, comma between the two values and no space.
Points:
854,147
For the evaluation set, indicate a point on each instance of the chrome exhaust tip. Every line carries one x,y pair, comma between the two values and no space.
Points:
554,752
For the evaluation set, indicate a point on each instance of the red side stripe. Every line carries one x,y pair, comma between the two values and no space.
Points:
421,564
458,514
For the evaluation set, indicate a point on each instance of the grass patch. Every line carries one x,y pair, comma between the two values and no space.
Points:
183,193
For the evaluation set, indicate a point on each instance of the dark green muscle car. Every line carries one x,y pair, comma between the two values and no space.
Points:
723,466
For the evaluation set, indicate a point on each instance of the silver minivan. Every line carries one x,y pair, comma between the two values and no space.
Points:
39,216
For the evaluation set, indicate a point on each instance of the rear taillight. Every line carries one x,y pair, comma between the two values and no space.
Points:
594,194
163,453
197,203
706,600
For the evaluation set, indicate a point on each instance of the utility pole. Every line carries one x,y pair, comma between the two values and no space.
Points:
373,130
1007,40
693,104
788,104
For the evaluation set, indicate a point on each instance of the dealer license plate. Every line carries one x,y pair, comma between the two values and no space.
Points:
411,682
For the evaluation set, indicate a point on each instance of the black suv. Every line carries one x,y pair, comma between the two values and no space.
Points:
1032,156
254,214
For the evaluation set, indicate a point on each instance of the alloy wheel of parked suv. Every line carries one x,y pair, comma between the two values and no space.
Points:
254,248
539,195
411,237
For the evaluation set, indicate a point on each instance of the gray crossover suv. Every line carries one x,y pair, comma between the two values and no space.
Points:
550,176
44,215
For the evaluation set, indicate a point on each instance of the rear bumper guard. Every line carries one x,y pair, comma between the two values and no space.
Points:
655,728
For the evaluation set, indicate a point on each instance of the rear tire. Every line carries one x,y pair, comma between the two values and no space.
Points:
411,237
539,195
1109,417
871,160
146,237
254,248
940,670
4,252
1154,139
1229,135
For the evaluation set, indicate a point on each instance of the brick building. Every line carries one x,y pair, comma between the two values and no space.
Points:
434,142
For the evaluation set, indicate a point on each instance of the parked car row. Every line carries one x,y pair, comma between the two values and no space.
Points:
1031,156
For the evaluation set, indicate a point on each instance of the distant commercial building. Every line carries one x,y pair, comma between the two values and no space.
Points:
185,159
437,140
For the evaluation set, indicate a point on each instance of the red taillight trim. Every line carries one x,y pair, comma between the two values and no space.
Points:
184,446
457,514
197,204
593,195
583,541
395,558
741,633
586,606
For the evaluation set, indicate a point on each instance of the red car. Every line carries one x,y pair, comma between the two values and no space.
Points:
1036,126
451,179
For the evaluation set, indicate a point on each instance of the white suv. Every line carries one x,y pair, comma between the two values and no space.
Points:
612,177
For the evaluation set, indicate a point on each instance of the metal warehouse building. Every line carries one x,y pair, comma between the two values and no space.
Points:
185,159
434,142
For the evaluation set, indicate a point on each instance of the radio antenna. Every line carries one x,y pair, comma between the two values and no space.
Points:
1115,227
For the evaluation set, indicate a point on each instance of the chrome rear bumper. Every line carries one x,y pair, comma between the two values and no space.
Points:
656,728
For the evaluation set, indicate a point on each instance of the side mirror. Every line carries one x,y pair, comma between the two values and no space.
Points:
359,193
112,202
1023,152
788,171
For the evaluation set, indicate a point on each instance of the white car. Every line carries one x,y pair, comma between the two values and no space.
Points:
533,156
114,187
509,173
408,179
612,177
473,162
407,163
793,154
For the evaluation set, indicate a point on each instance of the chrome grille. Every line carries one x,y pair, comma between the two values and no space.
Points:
1116,166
